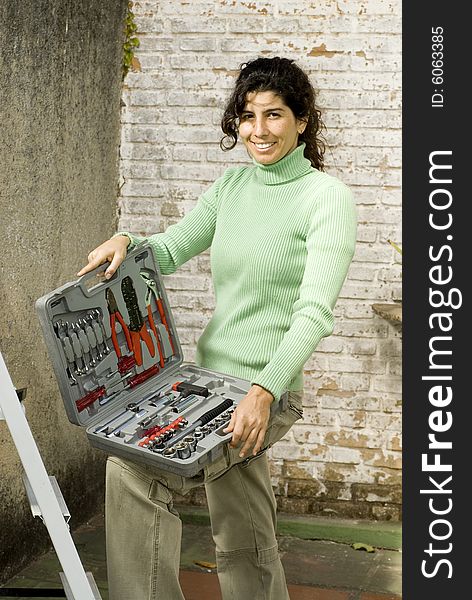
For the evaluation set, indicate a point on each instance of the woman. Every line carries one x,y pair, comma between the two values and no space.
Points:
282,235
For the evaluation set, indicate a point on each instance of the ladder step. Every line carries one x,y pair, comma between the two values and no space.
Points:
57,491
91,580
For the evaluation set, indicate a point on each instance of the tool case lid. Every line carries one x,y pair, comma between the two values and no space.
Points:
75,300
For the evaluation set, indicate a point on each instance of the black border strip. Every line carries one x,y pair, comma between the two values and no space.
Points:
436,251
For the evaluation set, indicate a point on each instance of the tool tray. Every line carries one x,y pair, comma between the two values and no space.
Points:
118,362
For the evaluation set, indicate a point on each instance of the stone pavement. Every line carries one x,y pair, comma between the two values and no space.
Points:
319,560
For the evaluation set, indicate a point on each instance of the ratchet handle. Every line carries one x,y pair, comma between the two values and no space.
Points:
214,412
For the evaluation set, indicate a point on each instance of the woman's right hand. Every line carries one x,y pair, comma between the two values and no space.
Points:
113,251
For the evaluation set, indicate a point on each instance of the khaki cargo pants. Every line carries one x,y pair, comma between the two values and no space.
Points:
143,531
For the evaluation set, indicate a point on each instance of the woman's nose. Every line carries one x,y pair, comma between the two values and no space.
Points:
260,127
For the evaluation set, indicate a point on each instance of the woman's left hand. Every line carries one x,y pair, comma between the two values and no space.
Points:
250,419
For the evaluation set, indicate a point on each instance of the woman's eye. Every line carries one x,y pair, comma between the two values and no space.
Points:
274,115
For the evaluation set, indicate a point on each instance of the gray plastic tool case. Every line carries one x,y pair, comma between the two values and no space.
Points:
127,401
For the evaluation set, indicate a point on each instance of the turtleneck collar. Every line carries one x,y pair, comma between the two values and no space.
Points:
292,166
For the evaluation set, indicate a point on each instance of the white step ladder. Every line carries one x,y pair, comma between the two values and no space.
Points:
45,497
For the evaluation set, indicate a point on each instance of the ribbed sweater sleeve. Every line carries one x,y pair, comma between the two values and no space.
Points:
330,246
187,238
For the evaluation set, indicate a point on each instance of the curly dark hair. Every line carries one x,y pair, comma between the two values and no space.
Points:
286,79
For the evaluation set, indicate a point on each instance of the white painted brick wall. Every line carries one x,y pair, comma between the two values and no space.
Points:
189,55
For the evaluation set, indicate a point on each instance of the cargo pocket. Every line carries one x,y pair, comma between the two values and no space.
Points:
160,494
297,409
282,422
218,466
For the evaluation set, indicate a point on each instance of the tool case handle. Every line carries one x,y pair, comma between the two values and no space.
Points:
90,291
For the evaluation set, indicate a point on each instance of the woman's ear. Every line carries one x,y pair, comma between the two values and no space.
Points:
301,126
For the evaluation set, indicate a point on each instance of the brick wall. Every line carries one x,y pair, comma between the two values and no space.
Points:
345,458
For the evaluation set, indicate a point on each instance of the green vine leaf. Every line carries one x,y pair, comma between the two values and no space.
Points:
131,42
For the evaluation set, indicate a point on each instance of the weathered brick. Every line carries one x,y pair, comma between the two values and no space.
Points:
392,273
141,206
386,513
362,328
143,115
139,169
310,433
147,98
392,422
193,172
359,310
136,187
252,25
368,7
144,151
362,403
205,98
376,493
368,347
297,470
150,24
143,133
394,442
362,438
198,24
193,135
304,488
344,455
395,367
392,404
317,417
361,290
355,365
388,24
363,118
389,383
390,214
382,458
154,42
348,473
195,116
330,344
197,44
390,348
179,282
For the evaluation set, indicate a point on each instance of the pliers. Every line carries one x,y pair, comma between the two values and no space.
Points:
137,326
123,362
153,290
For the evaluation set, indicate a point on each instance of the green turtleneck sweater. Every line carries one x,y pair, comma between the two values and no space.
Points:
282,237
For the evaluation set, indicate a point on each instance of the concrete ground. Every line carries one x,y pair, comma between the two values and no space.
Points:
317,553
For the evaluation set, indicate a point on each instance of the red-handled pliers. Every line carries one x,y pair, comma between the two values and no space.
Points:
116,316
153,291
137,327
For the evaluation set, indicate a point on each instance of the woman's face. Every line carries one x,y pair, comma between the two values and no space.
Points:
268,127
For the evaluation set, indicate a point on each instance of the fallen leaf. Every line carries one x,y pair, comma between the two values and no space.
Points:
205,565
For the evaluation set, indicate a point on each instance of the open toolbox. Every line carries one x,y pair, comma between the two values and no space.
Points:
119,366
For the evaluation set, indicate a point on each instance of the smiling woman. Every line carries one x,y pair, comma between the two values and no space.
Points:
282,236
268,127
269,89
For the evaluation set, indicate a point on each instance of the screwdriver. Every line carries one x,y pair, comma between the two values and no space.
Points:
91,397
99,392
139,378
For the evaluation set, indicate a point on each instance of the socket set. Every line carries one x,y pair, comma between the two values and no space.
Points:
119,367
